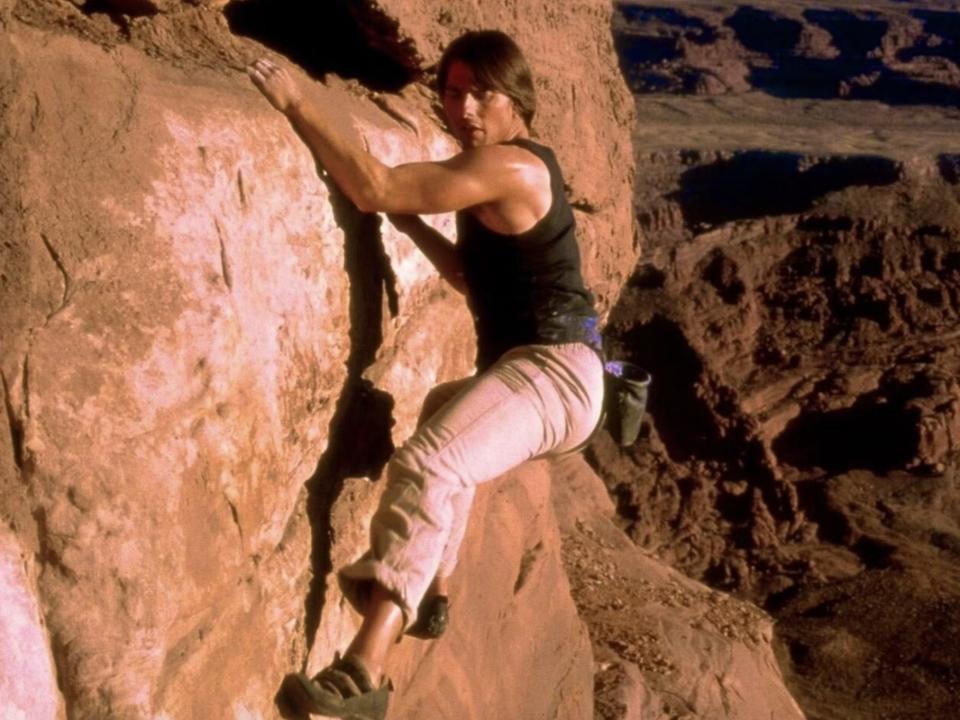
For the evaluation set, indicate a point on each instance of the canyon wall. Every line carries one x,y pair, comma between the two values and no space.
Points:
798,305
208,354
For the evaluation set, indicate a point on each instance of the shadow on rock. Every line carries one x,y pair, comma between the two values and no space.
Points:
359,437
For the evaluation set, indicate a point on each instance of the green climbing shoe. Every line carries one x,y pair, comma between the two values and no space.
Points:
342,690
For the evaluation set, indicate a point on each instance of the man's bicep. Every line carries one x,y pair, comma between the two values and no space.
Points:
436,187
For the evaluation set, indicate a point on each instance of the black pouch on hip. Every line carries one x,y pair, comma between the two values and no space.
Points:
625,401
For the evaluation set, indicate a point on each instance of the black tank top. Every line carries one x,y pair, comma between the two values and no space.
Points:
527,288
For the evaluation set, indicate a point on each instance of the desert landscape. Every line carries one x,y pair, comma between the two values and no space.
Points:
207,355
797,305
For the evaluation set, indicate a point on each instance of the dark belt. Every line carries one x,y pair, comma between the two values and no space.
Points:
566,328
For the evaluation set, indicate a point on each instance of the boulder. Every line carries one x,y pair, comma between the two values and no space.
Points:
666,646
178,326
208,355
201,340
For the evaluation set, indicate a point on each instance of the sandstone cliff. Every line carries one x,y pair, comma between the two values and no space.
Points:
208,354
798,305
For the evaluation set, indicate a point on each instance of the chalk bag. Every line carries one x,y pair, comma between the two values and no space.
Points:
626,399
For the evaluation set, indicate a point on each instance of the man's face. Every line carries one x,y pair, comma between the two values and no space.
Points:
475,115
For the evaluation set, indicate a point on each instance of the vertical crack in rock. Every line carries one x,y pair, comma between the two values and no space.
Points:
236,517
530,557
36,113
58,653
225,267
359,436
126,116
14,423
240,189
63,271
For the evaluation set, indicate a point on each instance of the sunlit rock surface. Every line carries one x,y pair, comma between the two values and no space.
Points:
28,684
208,354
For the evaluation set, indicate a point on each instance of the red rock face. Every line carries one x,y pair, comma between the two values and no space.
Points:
207,356
188,311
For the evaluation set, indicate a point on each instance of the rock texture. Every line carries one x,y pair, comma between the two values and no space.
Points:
665,645
798,305
208,355
28,682
188,313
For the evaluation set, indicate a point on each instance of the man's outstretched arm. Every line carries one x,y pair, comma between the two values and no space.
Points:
467,179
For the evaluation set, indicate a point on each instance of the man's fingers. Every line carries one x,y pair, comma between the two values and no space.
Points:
264,68
268,67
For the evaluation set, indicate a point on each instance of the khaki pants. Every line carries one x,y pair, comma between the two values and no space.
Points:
536,399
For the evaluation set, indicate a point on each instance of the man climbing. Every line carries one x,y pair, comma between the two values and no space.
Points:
539,382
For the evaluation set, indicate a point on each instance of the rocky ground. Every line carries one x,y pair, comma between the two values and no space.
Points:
798,307
797,194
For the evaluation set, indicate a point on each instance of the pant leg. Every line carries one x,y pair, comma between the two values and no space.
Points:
534,400
440,395
461,501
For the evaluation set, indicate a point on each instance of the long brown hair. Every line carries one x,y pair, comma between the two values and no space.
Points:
497,63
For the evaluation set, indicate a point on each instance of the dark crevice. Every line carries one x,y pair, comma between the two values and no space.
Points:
323,37
120,12
723,274
359,435
825,610
949,166
236,518
875,554
874,434
55,256
527,562
801,654
939,24
853,35
15,425
647,277
777,601
759,183
833,526
64,665
823,224
765,32
225,266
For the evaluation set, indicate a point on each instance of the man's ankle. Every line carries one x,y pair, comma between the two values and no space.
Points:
373,672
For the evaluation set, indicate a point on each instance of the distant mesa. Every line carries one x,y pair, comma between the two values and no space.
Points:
764,31
871,55
942,36
853,35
